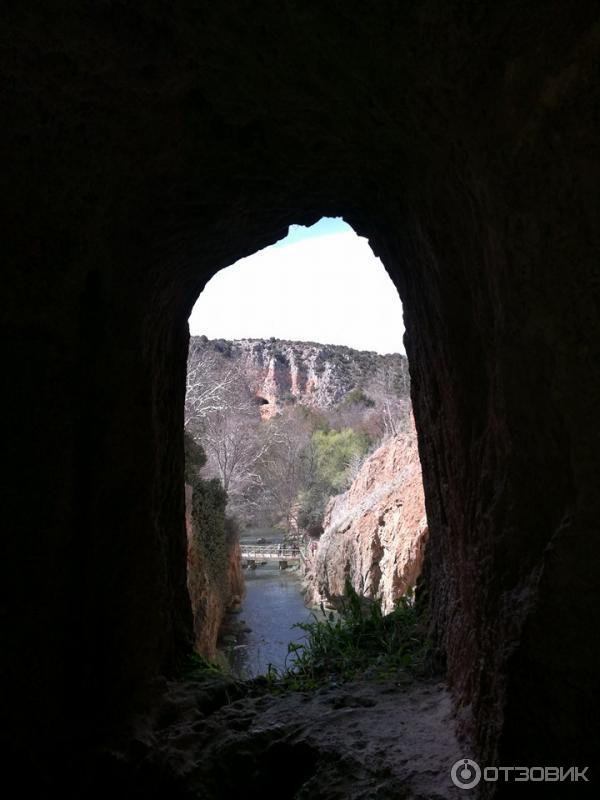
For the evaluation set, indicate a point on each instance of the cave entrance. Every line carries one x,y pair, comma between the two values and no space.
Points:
297,417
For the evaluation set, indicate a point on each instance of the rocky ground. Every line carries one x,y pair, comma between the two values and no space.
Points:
367,741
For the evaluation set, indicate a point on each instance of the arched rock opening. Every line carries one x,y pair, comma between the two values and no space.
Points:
153,148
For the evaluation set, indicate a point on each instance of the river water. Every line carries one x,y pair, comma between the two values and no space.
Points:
272,604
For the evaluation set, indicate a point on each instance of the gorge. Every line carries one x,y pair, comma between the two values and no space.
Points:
286,425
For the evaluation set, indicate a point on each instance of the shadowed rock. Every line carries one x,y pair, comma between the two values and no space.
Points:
144,148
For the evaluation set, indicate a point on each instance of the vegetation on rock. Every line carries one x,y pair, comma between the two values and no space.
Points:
214,581
375,532
357,641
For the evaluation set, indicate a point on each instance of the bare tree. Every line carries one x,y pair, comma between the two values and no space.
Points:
207,385
234,446
222,414
354,464
286,466
391,393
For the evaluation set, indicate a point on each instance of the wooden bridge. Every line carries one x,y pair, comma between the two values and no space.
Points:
254,554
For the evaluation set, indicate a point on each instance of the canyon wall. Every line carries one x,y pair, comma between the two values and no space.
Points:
318,376
215,579
374,533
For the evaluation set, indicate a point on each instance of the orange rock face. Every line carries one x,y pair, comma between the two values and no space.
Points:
288,373
375,532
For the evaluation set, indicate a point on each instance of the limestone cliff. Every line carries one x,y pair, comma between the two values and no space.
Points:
374,533
279,372
214,584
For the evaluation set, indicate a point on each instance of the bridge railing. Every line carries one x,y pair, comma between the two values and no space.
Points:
258,552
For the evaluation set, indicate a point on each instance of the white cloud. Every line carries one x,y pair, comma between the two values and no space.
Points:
328,289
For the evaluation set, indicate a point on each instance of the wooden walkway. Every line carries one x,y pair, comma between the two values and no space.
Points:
255,554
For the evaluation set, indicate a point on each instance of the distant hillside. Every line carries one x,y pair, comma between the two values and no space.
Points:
281,372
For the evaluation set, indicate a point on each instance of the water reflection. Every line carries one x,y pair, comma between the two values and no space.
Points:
273,603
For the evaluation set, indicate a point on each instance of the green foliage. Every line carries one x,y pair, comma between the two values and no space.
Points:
334,452
213,530
358,397
208,509
196,667
358,641
195,459
209,498
326,462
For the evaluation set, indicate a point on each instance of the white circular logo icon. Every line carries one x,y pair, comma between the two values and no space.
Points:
465,773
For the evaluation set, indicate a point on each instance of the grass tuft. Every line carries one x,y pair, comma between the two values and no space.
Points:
198,668
358,641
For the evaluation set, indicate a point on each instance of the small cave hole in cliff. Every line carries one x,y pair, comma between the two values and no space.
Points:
304,498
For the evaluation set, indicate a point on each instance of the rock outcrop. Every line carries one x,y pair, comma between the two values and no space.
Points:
375,533
214,588
319,376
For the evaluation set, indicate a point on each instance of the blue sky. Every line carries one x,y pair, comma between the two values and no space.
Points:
326,226
320,284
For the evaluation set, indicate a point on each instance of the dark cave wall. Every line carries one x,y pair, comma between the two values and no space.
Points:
97,552
144,150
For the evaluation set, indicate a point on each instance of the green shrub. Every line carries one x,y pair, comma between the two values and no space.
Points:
195,459
214,532
358,641
327,462
334,452
196,667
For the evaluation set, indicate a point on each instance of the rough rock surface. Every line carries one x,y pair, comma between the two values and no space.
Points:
211,599
359,741
315,375
375,533
146,146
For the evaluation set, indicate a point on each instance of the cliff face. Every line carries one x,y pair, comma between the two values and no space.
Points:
279,372
375,532
213,586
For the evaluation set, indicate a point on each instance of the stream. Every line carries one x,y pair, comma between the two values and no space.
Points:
272,604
